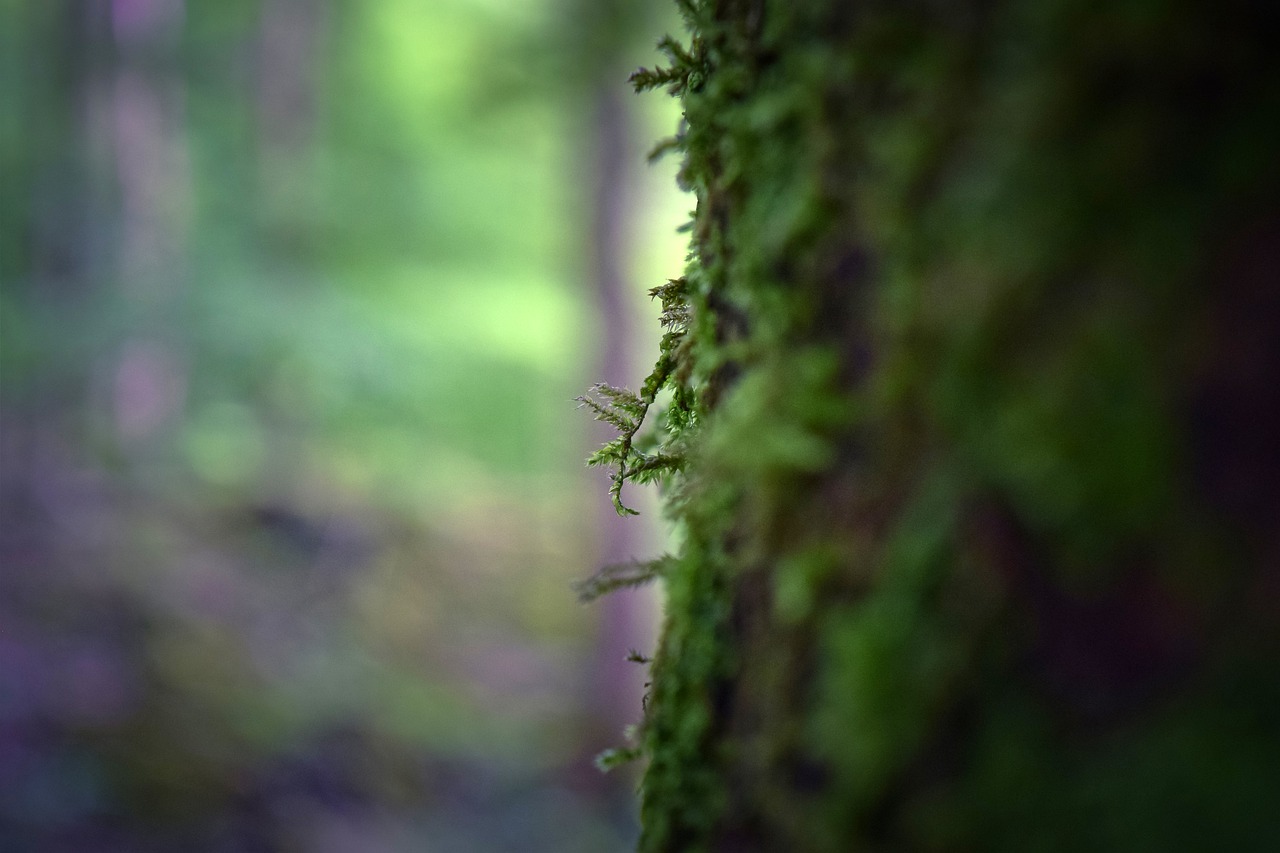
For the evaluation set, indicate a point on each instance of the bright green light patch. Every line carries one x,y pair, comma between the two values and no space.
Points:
529,320
421,49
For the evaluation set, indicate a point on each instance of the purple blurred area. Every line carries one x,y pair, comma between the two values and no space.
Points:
166,685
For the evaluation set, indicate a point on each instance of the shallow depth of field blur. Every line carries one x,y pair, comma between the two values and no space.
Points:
295,296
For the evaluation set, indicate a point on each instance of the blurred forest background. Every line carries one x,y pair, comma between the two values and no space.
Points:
295,296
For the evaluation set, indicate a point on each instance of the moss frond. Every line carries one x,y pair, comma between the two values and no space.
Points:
632,573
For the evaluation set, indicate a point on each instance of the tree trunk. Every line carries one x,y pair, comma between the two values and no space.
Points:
977,411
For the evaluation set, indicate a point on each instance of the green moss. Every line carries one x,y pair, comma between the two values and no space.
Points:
799,581
928,368
683,789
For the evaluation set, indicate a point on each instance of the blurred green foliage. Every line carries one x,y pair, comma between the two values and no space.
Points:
292,312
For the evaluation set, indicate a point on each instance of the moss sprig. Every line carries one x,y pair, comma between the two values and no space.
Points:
678,76
622,575
626,410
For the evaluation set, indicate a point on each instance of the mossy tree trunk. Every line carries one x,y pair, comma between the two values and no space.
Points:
974,438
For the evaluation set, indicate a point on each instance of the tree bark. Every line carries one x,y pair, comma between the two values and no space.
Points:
980,495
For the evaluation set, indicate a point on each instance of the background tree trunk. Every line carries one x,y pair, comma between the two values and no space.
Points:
983,523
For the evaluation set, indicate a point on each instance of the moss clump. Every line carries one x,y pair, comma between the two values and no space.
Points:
956,570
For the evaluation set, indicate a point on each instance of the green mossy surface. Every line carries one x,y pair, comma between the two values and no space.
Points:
948,581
